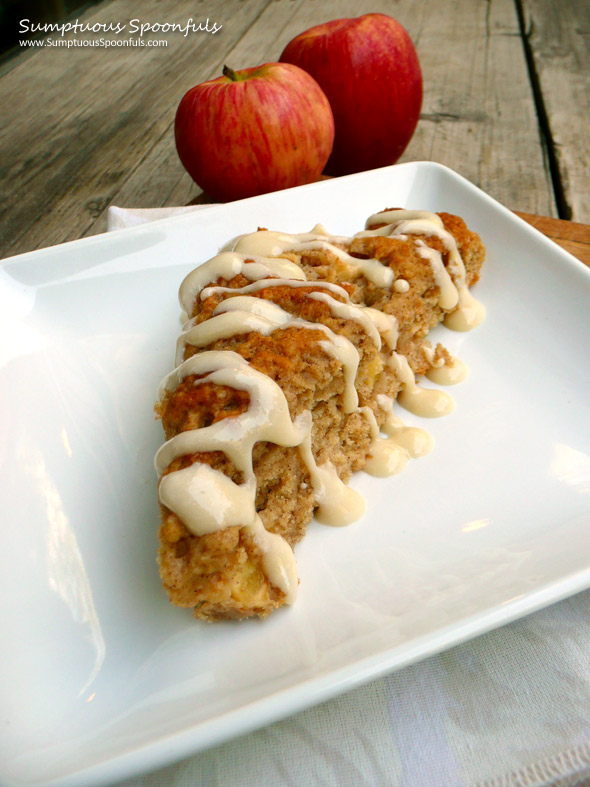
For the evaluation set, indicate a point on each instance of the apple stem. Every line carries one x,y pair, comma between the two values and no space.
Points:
230,74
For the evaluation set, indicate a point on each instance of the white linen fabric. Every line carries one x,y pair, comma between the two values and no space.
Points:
121,218
510,708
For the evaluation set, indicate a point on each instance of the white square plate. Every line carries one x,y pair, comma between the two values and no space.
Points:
100,676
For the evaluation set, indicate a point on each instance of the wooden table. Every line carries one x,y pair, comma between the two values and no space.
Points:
507,94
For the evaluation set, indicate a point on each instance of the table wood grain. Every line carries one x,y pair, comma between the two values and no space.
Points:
507,90
558,35
570,235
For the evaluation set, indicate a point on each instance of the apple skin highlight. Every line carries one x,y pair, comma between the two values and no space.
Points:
368,68
254,131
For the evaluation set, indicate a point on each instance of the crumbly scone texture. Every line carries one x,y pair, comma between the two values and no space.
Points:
220,575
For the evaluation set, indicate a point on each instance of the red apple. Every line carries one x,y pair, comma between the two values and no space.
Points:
370,72
253,131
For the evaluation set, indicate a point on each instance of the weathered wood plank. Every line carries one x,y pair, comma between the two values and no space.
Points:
94,127
478,115
82,119
559,38
285,18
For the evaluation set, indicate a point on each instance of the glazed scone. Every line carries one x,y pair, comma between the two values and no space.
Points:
295,348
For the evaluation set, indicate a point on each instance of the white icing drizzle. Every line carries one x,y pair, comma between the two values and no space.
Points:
370,416
267,317
267,417
348,311
386,458
259,306
448,373
226,265
445,372
389,456
417,442
386,325
417,222
429,354
395,216
338,504
337,346
263,284
222,326
204,363
343,350
278,561
373,270
269,243
206,499
425,402
373,321
469,315
469,312
448,296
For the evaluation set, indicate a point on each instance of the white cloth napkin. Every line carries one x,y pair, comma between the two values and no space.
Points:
121,218
508,709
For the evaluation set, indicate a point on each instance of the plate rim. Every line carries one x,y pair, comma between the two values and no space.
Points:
284,703
428,166
315,690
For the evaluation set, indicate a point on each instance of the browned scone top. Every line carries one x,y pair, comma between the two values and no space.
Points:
222,574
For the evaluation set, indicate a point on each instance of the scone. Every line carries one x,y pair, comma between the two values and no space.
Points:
294,350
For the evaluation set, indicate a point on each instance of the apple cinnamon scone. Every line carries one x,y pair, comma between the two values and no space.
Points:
294,349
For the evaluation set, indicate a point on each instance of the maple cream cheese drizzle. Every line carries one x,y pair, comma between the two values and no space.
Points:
373,321
244,313
263,284
338,504
278,560
417,222
389,455
267,417
267,243
226,265
469,312
425,402
348,311
469,315
207,500
448,296
449,373
444,372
